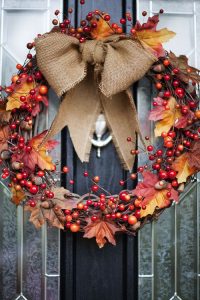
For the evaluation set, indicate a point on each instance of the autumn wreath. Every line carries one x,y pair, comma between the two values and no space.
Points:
93,66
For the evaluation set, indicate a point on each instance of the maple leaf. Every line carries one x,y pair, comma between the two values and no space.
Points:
17,195
102,30
181,63
194,155
19,90
168,118
152,38
39,215
183,167
64,199
38,155
102,230
153,198
4,134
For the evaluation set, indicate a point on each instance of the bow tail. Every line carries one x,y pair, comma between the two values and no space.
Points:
79,111
122,120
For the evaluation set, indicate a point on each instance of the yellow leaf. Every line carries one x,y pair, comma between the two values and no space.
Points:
154,39
157,201
14,98
181,165
102,30
169,118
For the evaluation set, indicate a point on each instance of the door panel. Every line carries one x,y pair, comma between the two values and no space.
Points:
29,265
169,249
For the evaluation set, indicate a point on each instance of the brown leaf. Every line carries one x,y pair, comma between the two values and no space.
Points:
4,116
4,133
64,199
194,155
181,63
103,231
39,215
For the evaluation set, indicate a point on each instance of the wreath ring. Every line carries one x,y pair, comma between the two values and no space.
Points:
28,168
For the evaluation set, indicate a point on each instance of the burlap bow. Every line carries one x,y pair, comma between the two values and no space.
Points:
94,77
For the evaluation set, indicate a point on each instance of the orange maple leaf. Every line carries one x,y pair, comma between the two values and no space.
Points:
102,30
152,38
17,195
102,230
38,155
168,118
182,166
153,198
19,90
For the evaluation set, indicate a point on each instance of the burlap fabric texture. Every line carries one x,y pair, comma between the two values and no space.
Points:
90,78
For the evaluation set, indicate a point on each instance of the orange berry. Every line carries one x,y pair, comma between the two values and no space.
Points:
96,179
68,218
166,62
137,203
197,114
43,89
132,220
119,30
74,227
158,86
15,78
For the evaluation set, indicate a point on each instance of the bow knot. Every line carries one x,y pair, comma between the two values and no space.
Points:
93,52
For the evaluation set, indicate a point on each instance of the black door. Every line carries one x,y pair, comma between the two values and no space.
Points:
87,272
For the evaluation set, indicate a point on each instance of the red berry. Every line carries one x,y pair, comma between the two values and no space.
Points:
150,148
123,21
32,203
171,174
34,189
94,188
122,195
94,218
144,13
107,18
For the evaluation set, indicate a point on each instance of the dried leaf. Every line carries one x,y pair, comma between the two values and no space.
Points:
64,199
37,156
103,231
153,199
181,63
194,155
182,166
102,30
4,134
168,118
19,90
17,196
39,215
4,116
